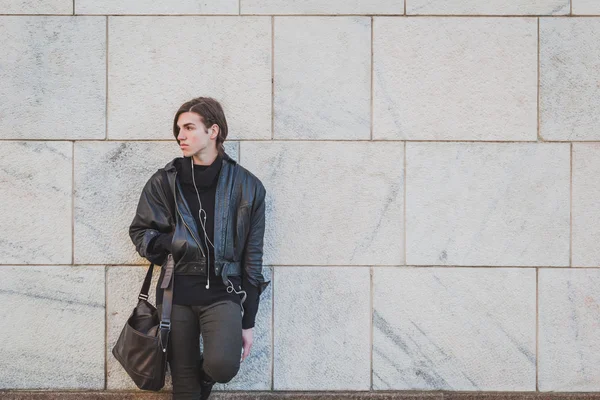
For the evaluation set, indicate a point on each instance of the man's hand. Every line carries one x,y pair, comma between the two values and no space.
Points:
247,337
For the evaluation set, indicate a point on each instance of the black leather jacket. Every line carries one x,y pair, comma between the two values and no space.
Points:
239,224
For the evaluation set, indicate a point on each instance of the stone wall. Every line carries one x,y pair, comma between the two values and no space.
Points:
431,170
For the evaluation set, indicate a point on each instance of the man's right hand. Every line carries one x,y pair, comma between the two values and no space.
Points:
162,243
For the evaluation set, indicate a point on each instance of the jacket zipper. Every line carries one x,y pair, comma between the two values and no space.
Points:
191,233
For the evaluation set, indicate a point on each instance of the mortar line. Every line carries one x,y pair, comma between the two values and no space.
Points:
73,202
105,327
539,134
310,15
117,140
404,207
571,205
239,7
371,89
272,78
273,328
73,7
537,352
339,265
371,312
106,87
390,15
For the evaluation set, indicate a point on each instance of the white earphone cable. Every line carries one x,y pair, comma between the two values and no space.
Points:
203,223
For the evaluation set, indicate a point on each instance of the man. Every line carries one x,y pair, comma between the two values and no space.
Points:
209,213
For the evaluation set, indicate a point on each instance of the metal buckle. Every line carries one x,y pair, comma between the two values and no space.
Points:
166,325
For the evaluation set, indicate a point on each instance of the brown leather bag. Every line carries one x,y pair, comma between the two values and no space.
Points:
142,346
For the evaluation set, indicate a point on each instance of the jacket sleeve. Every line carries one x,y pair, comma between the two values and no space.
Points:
250,305
152,218
253,250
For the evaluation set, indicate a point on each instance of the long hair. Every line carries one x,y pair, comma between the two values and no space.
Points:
210,112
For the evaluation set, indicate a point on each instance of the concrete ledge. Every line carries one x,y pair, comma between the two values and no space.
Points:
388,395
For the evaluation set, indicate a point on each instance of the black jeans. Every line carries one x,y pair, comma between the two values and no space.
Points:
221,327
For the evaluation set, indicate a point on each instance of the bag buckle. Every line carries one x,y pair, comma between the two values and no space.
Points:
165,325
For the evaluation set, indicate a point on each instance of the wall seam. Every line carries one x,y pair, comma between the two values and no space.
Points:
371,89
312,140
339,265
73,202
308,15
106,87
404,207
273,283
371,312
537,329
105,327
571,155
539,133
272,78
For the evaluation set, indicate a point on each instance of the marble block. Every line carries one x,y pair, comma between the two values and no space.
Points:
581,7
586,206
321,7
321,328
164,7
569,75
454,329
322,78
569,323
53,327
36,7
489,7
438,78
330,203
492,204
109,178
158,63
36,198
52,77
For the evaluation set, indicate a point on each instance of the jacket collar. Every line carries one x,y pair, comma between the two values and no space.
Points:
170,166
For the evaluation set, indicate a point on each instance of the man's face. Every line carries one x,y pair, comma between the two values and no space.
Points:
193,137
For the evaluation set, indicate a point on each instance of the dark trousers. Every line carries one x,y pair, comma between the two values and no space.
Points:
221,327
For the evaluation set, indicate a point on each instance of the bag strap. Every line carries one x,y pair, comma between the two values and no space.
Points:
169,267
147,281
168,282
146,285
167,304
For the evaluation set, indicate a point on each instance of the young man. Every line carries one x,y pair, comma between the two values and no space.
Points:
209,213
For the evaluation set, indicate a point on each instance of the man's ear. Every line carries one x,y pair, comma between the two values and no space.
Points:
214,131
